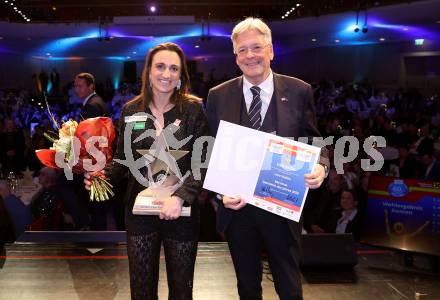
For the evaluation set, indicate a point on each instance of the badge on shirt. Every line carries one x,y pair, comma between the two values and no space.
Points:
139,126
130,119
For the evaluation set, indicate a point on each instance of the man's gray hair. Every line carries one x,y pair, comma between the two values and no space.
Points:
251,24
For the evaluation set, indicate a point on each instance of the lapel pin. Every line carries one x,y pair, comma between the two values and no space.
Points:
284,99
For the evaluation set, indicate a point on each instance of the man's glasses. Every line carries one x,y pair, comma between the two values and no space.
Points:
255,49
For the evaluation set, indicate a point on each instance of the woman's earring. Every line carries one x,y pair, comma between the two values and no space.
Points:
179,83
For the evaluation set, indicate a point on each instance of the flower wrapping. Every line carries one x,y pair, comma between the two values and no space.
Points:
85,147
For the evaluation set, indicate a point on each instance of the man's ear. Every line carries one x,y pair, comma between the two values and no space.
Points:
272,54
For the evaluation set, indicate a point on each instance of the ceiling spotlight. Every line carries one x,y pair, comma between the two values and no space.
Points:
197,46
298,4
313,40
405,28
54,8
153,8
356,27
382,39
282,17
364,29
337,41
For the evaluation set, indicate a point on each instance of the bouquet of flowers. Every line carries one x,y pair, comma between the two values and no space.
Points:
83,147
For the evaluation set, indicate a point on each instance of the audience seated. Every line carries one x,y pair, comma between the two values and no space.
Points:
322,203
7,230
431,165
347,217
48,209
19,214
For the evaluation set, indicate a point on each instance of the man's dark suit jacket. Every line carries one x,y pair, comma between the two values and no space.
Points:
294,110
95,107
434,173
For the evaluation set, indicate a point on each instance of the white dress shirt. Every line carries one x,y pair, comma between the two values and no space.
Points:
343,221
428,169
266,93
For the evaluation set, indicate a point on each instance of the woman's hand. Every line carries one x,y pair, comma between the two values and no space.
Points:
88,178
171,207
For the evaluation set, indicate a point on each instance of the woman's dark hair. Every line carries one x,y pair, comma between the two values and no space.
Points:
180,95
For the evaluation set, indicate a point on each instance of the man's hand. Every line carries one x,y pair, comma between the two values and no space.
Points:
315,179
171,207
234,203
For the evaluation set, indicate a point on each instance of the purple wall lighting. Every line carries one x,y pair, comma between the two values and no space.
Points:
408,31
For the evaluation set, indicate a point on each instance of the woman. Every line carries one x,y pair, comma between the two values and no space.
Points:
348,221
164,95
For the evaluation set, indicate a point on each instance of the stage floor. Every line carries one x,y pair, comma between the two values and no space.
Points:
79,271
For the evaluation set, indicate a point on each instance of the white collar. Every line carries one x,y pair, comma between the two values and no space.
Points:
88,97
351,215
266,86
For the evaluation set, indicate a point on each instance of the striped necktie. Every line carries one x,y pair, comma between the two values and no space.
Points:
255,109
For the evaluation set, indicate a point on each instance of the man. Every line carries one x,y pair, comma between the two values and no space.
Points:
12,147
93,106
46,212
430,164
55,80
269,102
16,211
322,203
